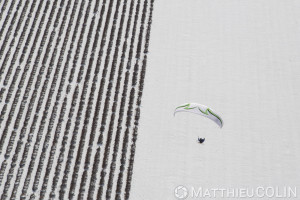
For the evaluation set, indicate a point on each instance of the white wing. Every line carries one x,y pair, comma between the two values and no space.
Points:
200,110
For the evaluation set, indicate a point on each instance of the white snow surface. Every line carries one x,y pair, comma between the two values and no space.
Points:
240,58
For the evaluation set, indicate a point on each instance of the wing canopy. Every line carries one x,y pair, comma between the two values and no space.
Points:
200,110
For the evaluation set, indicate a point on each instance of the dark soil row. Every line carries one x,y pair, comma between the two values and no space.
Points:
52,103
138,104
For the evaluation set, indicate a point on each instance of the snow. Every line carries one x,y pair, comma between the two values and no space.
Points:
241,58
69,115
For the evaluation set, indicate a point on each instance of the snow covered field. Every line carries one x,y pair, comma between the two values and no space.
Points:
71,82
241,58
86,112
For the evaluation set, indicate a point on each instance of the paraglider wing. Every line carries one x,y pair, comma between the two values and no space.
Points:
200,110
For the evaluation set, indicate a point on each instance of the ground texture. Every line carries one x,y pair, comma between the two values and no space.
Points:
71,83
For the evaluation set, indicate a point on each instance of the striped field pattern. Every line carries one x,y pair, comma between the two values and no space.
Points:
71,83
